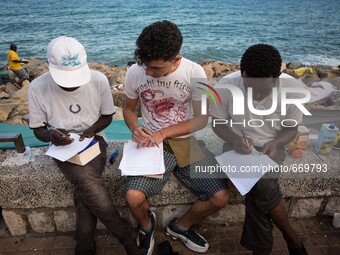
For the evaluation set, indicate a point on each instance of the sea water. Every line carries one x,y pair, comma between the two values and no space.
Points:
303,31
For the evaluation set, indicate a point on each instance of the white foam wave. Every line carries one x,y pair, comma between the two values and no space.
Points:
318,60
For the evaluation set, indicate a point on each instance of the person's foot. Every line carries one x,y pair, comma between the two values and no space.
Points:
145,240
190,238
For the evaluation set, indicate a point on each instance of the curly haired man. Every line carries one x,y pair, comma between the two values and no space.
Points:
161,82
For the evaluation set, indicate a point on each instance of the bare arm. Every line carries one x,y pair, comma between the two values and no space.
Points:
99,125
285,136
198,122
131,120
228,135
20,61
55,137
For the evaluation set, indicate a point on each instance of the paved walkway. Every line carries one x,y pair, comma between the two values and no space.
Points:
318,235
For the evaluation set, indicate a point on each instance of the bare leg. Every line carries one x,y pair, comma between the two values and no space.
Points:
139,206
280,219
201,209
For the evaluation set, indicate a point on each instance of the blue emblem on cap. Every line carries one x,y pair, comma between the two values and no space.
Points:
68,60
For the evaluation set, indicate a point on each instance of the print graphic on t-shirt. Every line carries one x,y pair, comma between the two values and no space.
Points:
165,110
75,108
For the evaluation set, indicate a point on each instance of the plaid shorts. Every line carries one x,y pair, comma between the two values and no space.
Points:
204,188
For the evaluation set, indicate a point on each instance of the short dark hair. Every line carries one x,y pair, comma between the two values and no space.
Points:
13,47
160,40
261,61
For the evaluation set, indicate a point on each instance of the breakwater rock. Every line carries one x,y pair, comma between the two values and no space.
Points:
14,107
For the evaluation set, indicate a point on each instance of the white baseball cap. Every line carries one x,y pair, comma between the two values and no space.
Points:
67,61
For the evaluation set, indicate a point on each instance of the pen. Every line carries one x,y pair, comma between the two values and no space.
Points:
151,139
245,139
53,128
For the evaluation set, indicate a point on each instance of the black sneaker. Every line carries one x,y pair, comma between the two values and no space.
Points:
146,241
190,238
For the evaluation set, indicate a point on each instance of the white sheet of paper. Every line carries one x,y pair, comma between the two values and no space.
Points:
142,161
65,152
243,180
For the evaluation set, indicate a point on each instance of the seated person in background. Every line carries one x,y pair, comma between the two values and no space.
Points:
260,70
76,99
161,82
15,64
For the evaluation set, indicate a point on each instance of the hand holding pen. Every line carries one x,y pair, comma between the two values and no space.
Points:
151,139
242,144
246,140
58,137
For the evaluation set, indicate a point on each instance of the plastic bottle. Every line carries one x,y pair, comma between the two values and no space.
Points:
326,139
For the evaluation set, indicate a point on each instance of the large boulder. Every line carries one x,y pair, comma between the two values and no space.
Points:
308,75
294,65
216,69
335,98
118,98
3,92
335,82
36,68
327,71
21,95
115,75
5,110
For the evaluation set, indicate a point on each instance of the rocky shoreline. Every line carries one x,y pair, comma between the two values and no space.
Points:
14,106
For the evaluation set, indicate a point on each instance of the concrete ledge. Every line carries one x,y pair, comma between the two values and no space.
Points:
36,196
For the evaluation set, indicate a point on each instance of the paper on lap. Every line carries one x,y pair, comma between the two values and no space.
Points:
65,152
245,169
142,161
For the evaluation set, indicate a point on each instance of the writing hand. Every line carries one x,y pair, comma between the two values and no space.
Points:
140,137
60,137
242,146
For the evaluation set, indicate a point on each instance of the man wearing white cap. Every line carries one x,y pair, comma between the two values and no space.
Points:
75,99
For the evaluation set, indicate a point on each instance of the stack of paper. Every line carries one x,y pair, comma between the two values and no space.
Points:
147,161
244,170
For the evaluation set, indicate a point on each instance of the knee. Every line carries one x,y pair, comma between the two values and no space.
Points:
134,198
221,198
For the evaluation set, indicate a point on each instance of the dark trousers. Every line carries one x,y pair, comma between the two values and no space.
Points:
265,195
92,201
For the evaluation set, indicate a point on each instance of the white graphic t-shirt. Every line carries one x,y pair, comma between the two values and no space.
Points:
264,128
165,101
75,110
